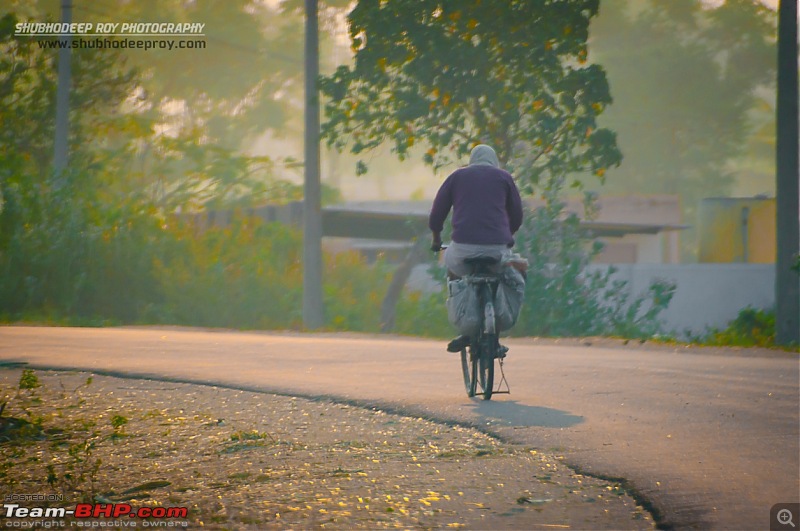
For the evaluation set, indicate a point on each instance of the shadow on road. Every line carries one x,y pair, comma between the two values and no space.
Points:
511,413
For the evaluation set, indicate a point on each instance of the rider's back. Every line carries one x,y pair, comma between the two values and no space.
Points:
486,206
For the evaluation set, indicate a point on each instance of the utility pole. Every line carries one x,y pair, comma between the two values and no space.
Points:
787,282
313,312
61,143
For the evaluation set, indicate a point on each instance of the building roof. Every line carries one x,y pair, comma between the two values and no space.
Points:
404,220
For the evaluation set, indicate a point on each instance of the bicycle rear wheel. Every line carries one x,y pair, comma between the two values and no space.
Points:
486,373
469,366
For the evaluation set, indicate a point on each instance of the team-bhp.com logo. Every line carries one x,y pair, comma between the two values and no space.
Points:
96,510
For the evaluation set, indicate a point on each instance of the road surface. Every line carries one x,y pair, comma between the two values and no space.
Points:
710,440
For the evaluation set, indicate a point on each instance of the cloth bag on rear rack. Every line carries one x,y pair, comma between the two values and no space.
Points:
463,309
510,292
462,306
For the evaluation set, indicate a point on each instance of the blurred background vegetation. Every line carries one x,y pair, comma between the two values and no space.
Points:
684,104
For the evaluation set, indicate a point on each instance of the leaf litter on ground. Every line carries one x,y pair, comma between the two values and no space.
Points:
246,460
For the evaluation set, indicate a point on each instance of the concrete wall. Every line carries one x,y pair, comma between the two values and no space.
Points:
707,295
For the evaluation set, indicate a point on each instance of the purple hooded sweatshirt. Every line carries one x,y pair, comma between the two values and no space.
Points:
487,209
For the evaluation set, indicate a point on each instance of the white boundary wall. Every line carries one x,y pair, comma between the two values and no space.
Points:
707,295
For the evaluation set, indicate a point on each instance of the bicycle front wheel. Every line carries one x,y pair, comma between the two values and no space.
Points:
469,366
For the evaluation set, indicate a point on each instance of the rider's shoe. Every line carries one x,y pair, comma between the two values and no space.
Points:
458,344
501,352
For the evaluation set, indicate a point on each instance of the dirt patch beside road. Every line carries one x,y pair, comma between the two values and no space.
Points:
244,460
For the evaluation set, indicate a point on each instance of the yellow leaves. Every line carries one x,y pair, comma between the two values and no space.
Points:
537,105
598,107
472,23
567,30
549,45
431,497
600,172
382,64
455,15
446,99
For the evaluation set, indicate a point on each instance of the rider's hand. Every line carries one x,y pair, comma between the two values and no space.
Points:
436,245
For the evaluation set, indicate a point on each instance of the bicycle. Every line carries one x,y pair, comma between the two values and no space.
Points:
478,360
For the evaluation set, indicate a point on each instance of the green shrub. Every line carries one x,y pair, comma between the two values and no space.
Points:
246,275
423,314
751,328
353,292
65,254
563,297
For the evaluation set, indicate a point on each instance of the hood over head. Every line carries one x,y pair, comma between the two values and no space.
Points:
483,155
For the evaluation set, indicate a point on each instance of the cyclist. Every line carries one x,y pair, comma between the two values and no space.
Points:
487,212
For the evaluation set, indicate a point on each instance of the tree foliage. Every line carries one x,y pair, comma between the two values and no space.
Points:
84,242
446,75
686,77
27,100
232,87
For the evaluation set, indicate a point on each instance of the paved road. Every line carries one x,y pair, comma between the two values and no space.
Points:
713,441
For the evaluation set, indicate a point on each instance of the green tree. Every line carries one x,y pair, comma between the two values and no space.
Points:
685,77
84,244
236,86
448,75
51,229
200,112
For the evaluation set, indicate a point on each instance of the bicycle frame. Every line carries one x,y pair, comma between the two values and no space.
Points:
478,364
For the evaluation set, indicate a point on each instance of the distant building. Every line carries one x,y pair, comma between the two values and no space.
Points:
734,229
634,229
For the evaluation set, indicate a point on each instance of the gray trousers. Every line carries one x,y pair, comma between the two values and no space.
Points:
456,253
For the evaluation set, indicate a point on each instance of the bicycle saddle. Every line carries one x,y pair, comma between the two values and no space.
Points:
480,264
479,261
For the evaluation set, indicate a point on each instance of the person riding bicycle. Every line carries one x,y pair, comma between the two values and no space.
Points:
487,212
